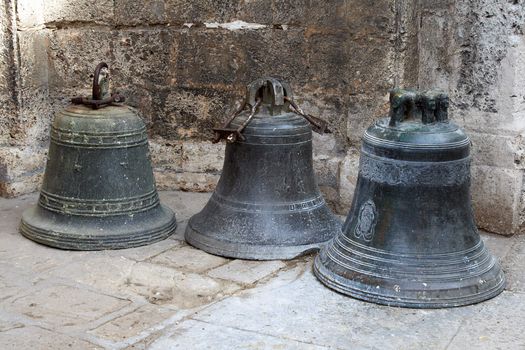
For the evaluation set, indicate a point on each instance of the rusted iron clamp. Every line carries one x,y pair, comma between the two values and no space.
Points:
232,135
319,125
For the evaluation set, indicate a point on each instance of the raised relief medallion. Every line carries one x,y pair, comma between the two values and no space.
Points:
366,221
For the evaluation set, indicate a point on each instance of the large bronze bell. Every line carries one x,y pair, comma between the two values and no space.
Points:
267,204
410,239
98,190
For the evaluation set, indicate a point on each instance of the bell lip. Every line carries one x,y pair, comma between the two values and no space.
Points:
333,281
122,240
248,251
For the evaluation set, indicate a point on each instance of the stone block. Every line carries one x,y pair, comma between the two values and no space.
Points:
59,12
495,197
64,306
205,157
327,170
138,12
201,11
191,113
192,182
144,58
17,162
246,272
165,155
73,55
258,11
203,61
29,13
145,102
21,170
279,49
136,323
494,150
363,110
348,172
27,184
189,259
33,46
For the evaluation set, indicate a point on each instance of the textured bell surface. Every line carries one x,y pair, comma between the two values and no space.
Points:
98,190
267,204
410,238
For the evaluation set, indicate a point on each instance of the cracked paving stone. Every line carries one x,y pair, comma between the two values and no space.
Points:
198,335
36,338
513,267
497,324
144,252
305,310
107,274
246,272
164,285
60,306
189,258
138,322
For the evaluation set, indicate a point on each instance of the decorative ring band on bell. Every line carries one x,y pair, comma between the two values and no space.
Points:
98,190
267,204
410,238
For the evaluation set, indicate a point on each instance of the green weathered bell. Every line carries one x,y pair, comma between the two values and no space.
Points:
98,190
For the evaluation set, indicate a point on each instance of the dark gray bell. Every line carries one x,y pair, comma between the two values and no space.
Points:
267,204
410,239
98,190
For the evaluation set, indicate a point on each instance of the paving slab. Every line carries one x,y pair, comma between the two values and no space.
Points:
185,205
190,259
15,281
185,290
63,306
498,323
304,310
200,335
246,272
36,338
108,274
144,252
171,296
136,323
498,245
514,266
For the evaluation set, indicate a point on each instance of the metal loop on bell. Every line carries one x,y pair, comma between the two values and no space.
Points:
98,190
100,91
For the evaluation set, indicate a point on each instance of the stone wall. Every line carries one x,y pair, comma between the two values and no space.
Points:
476,51
184,65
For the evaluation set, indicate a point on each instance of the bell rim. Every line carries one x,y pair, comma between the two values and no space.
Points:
73,241
334,282
248,251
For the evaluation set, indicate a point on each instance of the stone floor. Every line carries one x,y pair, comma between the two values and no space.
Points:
171,296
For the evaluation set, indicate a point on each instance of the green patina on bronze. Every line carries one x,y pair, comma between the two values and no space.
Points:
98,190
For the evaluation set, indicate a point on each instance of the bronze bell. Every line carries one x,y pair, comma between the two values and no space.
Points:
98,190
266,204
410,239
